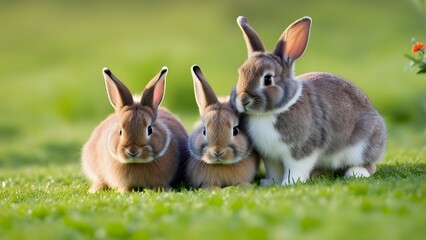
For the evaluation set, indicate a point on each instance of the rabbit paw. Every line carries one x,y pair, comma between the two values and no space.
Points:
97,186
244,184
294,178
358,172
267,182
210,187
124,189
287,182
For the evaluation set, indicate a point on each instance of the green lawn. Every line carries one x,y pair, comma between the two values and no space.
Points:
52,95
52,203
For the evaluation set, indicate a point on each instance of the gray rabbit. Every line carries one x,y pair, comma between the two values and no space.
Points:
315,121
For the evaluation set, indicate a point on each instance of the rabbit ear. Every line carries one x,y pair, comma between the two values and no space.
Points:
204,94
294,40
118,94
253,42
153,93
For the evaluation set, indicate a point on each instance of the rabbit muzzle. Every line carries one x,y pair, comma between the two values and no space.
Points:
133,152
244,102
136,154
219,155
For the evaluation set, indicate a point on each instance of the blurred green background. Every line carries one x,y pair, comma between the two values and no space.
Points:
51,55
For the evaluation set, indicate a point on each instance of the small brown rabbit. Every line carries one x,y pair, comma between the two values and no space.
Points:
221,153
140,146
316,121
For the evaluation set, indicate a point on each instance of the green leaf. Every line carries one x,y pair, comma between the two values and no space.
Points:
412,58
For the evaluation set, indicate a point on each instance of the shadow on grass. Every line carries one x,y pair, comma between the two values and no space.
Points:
384,172
400,170
63,153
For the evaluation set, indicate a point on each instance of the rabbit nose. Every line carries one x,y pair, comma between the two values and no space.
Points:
132,152
246,100
217,153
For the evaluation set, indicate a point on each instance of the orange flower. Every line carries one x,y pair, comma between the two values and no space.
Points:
417,47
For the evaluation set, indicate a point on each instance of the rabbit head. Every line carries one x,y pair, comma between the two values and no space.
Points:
218,138
138,137
266,82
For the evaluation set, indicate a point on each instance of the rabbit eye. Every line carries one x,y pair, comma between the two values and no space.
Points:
235,131
149,130
204,131
267,80
121,132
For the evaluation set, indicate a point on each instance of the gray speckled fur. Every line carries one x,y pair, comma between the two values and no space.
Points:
331,114
331,124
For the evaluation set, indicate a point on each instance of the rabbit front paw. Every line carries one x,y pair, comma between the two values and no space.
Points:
210,187
244,184
267,182
357,172
290,179
97,186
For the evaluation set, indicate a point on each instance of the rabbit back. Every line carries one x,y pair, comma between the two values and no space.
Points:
332,118
316,120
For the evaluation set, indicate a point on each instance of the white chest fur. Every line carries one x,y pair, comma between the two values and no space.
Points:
268,142
266,139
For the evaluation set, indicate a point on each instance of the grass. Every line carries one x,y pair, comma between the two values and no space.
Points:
52,202
52,96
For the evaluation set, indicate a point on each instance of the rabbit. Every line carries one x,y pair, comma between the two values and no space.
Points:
140,145
313,122
221,153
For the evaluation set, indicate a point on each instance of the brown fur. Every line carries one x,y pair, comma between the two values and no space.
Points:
204,175
237,163
104,157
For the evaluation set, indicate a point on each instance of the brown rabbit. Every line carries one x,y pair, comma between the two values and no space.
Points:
140,146
313,121
221,153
